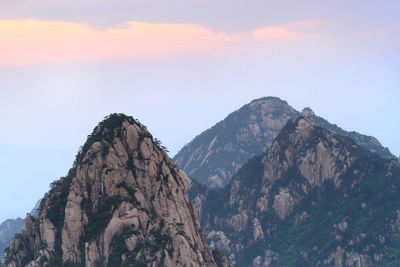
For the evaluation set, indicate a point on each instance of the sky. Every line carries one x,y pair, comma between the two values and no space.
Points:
180,66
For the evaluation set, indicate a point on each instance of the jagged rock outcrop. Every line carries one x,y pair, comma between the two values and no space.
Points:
315,198
123,203
214,156
8,229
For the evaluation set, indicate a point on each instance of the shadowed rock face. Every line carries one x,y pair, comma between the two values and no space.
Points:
314,198
8,229
124,202
213,157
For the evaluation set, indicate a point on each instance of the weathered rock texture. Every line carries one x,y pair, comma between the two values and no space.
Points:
213,157
123,203
314,198
8,229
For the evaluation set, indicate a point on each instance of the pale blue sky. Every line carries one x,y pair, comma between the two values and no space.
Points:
346,68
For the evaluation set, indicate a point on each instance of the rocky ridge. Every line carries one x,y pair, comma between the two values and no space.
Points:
370,143
315,198
123,203
214,156
8,229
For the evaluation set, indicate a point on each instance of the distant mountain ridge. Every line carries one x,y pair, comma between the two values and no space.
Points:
368,142
214,156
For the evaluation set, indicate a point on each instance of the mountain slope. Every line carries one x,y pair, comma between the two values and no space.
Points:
368,142
216,154
314,199
213,157
123,203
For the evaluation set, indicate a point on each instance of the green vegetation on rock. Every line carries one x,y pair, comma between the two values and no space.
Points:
353,210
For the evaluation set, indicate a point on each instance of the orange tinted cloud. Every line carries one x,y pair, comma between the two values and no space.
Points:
34,41
289,31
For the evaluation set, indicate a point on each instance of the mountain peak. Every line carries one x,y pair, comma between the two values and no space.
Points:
214,156
269,99
123,203
307,112
230,143
268,103
311,194
302,182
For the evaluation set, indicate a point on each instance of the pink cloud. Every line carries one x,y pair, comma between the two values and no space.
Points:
35,41
284,33
32,41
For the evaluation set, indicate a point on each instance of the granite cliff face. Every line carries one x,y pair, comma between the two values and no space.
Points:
213,157
8,229
315,198
123,203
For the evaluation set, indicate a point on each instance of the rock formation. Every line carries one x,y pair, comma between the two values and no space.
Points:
315,198
8,229
123,203
213,157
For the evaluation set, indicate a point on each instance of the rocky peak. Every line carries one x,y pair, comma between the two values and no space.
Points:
8,229
310,200
302,149
269,103
316,152
123,203
215,155
307,112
